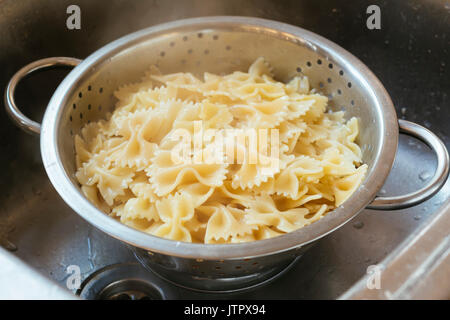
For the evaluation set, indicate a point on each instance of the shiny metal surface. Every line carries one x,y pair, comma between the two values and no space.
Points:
233,43
219,276
434,183
129,279
222,44
416,269
14,112
407,54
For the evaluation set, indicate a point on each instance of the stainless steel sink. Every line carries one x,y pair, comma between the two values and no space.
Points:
47,236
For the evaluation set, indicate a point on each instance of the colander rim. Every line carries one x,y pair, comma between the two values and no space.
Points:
388,136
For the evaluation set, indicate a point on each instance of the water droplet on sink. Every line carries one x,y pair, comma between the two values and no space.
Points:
417,217
37,192
425,175
8,245
358,225
382,191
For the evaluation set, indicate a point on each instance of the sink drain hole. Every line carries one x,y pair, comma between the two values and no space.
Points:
125,281
129,289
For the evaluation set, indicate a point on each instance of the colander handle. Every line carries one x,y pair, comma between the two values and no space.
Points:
435,184
14,112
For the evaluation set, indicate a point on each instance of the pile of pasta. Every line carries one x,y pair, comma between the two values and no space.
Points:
125,169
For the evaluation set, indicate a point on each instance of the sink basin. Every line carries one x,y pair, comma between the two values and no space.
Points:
43,232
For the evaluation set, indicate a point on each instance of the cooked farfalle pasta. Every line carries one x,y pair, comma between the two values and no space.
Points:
134,167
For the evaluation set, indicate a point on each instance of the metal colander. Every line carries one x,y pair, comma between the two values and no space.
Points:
223,45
